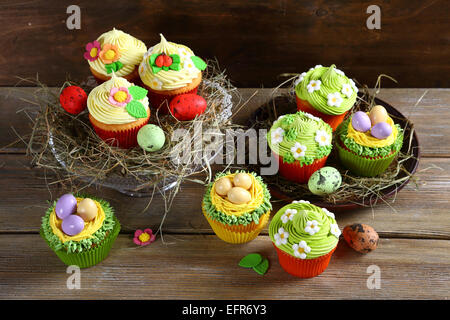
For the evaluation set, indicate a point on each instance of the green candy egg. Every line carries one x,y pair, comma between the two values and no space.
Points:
151,137
324,181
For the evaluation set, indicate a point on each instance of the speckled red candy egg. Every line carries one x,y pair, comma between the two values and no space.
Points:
73,99
361,237
187,106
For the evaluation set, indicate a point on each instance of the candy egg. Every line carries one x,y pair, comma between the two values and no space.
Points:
324,181
361,121
238,195
222,186
381,130
378,114
151,137
361,237
73,99
87,209
72,225
242,180
66,205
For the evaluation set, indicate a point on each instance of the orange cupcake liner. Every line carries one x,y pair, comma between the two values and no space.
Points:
333,121
303,268
297,173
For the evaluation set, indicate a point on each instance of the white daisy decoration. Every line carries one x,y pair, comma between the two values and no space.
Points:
340,72
312,227
189,66
280,117
156,84
352,83
347,90
313,85
148,53
288,215
277,135
335,231
328,213
281,237
301,201
301,249
310,116
183,53
298,150
323,138
318,66
299,79
334,99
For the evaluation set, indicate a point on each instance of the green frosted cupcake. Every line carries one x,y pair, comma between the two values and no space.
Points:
91,244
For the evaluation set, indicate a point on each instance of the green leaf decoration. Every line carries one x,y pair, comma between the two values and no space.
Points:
165,68
156,69
251,260
153,58
199,63
175,66
115,66
138,93
175,58
119,65
136,109
262,267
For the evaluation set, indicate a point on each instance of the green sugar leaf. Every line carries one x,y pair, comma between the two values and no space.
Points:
153,58
175,58
175,66
109,67
262,267
199,63
165,68
119,65
138,93
251,260
156,69
136,109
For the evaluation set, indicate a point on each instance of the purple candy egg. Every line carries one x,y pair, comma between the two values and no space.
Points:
72,225
381,130
66,206
361,121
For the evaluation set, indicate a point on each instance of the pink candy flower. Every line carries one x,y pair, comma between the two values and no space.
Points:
119,96
92,50
143,238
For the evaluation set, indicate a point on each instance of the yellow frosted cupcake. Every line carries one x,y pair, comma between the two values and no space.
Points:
169,69
115,51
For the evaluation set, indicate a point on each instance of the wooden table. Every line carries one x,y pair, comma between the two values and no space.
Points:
413,255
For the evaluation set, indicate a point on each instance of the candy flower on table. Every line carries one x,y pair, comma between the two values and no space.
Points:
92,51
143,238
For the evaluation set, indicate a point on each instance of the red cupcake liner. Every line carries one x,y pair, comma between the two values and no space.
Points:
162,101
333,121
297,173
303,268
124,139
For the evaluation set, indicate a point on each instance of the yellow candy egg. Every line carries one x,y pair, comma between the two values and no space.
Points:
238,195
87,209
242,180
378,114
222,186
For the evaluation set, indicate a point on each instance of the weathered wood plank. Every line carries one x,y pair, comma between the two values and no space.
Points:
204,267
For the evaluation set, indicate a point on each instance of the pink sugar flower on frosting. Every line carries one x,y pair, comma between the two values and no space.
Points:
92,50
119,96
143,238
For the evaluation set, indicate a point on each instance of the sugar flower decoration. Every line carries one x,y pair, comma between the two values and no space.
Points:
313,85
119,97
288,215
301,201
109,53
143,238
335,231
189,66
315,67
328,213
92,50
340,72
281,237
352,83
334,99
312,227
299,79
156,84
347,90
298,150
301,249
277,135
310,116
322,138
183,53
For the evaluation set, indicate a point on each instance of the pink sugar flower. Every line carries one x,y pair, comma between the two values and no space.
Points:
143,238
119,96
92,50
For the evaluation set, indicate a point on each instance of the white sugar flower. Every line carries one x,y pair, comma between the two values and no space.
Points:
277,135
298,150
347,90
312,227
183,53
323,138
280,117
189,66
281,237
334,99
335,231
313,85
301,249
340,72
301,201
156,84
299,79
310,116
288,215
148,53
328,213
352,83
318,66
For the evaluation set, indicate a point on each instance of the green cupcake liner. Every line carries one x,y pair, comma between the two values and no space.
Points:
362,166
90,257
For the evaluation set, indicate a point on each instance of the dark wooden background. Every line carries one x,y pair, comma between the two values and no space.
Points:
254,40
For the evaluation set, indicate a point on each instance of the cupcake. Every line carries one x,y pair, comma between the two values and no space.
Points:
367,143
169,69
237,206
117,110
301,142
325,93
80,230
115,51
305,237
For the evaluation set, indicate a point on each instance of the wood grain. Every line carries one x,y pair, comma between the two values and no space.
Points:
256,41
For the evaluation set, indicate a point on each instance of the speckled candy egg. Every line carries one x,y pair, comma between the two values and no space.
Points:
238,195
378,114
242,180
187,106
151,138
381,130
361,237
87,209
65,206
324,181
361,121
73,99
222,186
